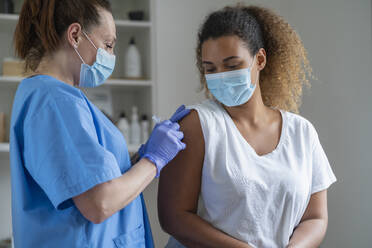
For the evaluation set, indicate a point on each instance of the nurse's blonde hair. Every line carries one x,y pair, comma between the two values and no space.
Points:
287,69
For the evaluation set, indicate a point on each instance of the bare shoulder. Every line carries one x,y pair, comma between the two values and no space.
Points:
179,184
191,127
193,138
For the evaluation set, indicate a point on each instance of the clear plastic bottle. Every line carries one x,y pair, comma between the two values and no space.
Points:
133,61
145,125
124,127
135,129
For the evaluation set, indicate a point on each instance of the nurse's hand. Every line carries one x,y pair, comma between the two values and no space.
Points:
164,144
165,141
180,113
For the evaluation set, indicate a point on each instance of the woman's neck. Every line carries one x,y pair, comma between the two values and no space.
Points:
254,112
56,66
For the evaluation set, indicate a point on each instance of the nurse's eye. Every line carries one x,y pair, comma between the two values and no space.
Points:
109,46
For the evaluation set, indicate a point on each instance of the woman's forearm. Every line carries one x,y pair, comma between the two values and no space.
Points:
102,201
192,231
308,234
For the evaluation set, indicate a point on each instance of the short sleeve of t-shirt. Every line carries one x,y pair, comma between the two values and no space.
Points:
322,174
63,153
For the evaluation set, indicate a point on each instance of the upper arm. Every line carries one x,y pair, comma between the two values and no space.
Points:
317,207
180,180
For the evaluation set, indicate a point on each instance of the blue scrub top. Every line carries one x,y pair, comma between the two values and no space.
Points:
61,145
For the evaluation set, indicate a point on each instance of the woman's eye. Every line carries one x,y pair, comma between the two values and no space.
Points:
210,70
232,66
109,46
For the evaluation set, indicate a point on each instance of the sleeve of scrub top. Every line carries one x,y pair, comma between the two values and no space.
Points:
62,151
322,174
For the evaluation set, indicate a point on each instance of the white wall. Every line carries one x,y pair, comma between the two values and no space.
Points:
337,34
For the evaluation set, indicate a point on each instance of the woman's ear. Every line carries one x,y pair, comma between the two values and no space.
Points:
261,59
74,32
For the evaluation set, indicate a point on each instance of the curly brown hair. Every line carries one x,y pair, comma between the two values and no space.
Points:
287,69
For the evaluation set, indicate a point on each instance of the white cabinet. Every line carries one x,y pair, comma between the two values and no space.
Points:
125,92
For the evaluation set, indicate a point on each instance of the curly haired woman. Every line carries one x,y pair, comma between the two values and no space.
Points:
254,173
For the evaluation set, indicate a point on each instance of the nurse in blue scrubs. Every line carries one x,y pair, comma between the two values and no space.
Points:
73,184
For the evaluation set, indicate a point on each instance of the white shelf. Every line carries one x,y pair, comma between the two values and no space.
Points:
10,79
119,23
111,82
8,17
128,82
4,147
133,24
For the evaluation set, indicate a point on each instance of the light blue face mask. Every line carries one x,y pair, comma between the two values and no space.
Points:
232,88
100,71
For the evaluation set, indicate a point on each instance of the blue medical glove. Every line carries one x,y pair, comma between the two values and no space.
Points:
180,113
164,144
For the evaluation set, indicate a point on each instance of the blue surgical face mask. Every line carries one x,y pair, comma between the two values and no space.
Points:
96,74
232,88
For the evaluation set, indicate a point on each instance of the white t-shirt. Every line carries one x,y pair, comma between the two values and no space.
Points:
258,199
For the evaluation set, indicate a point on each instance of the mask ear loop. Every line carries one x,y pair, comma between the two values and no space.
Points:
81,58
90,40
75,47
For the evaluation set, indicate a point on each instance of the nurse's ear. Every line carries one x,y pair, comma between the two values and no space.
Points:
74,34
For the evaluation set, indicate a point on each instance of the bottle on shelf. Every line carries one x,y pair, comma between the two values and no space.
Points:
145,124
124,127
135,129
133,61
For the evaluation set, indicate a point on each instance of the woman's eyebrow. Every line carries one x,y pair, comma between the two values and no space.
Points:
231,57
207,62
225,60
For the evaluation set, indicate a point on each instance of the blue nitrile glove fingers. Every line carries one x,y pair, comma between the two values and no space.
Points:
180,113
175,126
180,109
142,148
164,144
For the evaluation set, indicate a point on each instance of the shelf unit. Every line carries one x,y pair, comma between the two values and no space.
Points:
14,81
4,148
125,92
119,23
